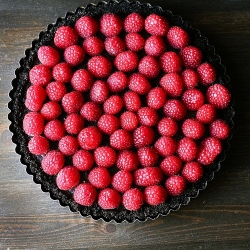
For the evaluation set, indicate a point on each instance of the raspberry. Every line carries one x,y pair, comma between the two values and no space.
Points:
192,128
82,80
134,41
133,199
52,162
219,129
156,98
109,199
85,194
143,136
132,101
33,123
193,99
93,45
40,75
149,67
99,92
192,171
38,145
62,72
156,25
35,96
165,146
83,160
172,84
54,130
72,102
113,105
117,82
105,156
48,56
121,139
91,111
191,57
154,46
148,156
134,22
74,55
175,185
147,116
171,165
126,61
56,91
177,37
187,149
219,96
68,145
139,84
110,25
155,195
175,109
129,121
148,176
114,45
51,110
86,26
206,113
167,126
67,178
108,124
190,78
122,181
64,37
99,66
170,62
207,73
73,123
90,138
127,160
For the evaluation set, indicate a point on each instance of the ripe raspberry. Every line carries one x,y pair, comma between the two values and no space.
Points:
191,57
219,129
110,25
93,45
99,66
99,177
165,146
143,136
156,98
167,126
38,145
73,124
35,96
48,56
148,176
52,162
219,96
33,123
86,26
54,130
155,46
108,124
56,91
133,199
91,111
109,199
40,75
126,61
72,102
90,138
148,156
155,195
134,22
149,67
156,25
83,160
132,101
67,178
62,72
207,73
177,37
117,81
105,157
206,113
113,105
193,99
129,121
114,45
127,160
121,139
193,129
139,84
74,55
134,41
122,181
175,109
170,62
175,185
187,149
192,171
51,110
99,92
68,145
147,116
85,194
82,80
171,165
64,37
190,78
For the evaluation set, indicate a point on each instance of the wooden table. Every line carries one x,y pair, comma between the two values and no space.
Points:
218,219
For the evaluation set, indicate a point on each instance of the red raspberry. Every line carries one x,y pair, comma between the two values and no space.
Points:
40,75
48,56
192,171
122,181
93,45
143,136
219,96
38,145
62,72
52,162
85,194
126,61
139,84
187,149
121,139
190,78
191,57
165,146
99,92
73,124
33,123
147,116
108,124
206,113
170,62
99,177
156,98
90,138
148,176
72,102
54,130
133,199
82,80
167,126
156,25
56,91
86,26
51,110
175,185
172,84
105,156
132,101
110,25
192,128
177,37
91,111
114,45
207,73
35,96
134,41
193,99
134,22
149,67
155,46
117,82
83,160
67,178
127,160
68,145
155,195
148,157
74,55
171,165
99,66
175,109
109,199
129,121
64,37
113,105
219,129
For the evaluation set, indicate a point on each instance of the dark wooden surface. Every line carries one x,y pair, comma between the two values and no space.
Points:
218,219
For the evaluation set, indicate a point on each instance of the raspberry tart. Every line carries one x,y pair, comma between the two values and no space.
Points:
122,111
